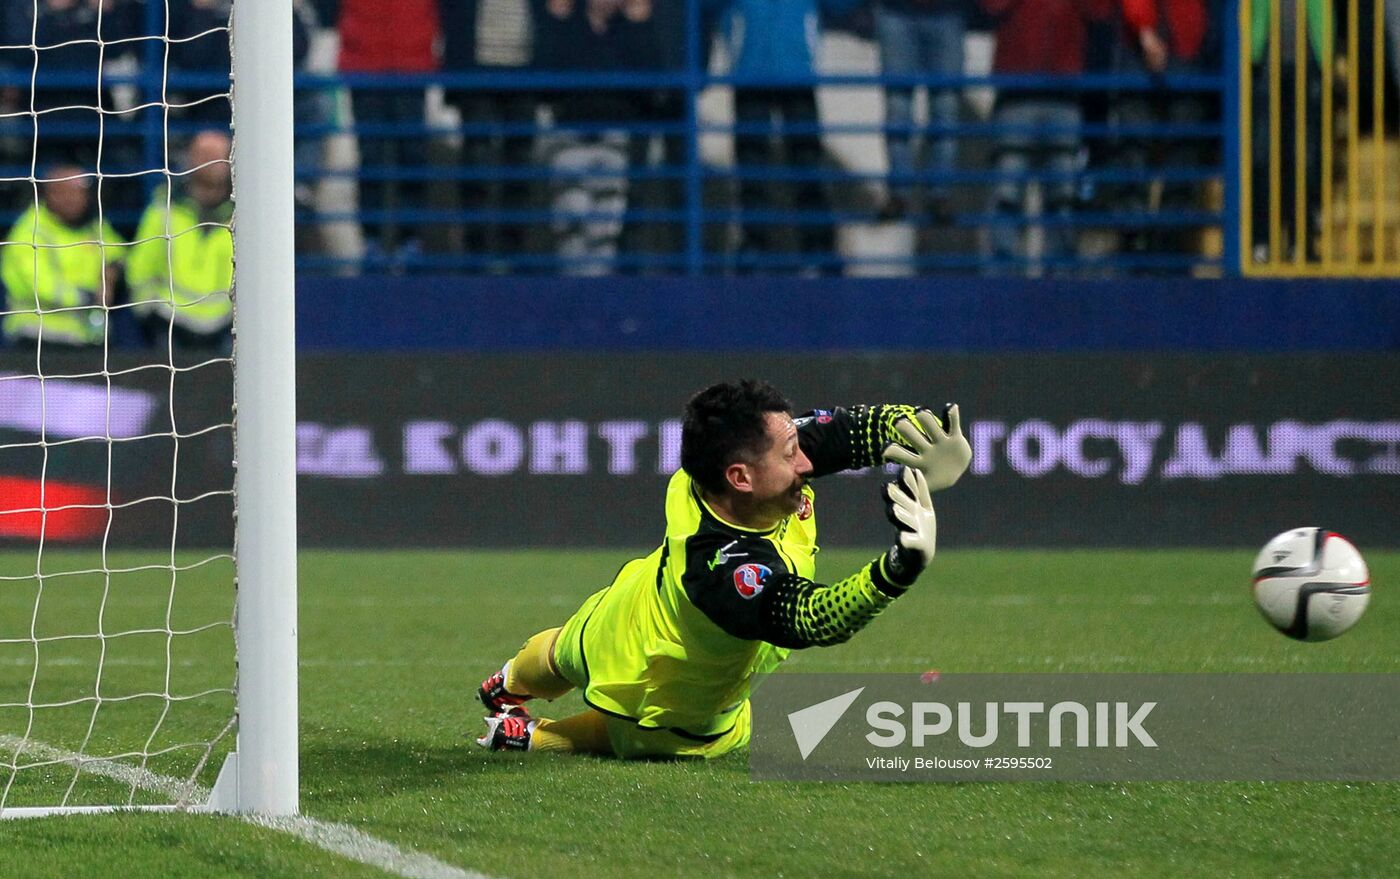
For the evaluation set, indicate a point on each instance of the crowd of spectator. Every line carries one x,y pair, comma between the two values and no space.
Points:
119,212
531,173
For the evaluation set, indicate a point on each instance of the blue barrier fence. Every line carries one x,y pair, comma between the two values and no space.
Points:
418,313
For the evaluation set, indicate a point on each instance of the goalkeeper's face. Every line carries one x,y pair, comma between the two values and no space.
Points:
777,476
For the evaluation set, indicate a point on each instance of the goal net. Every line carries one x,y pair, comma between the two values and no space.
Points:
147,639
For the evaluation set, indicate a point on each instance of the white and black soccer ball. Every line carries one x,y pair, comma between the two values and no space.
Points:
1311,584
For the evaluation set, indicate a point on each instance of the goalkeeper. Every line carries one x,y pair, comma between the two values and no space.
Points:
666,654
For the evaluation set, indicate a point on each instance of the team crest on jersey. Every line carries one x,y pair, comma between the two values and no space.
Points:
804,509
749,579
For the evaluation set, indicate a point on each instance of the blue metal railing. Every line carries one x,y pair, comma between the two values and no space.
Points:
698,202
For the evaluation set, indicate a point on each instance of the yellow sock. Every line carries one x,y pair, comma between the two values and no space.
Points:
583,733
532,671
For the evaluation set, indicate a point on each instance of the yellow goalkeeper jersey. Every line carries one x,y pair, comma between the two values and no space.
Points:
675,641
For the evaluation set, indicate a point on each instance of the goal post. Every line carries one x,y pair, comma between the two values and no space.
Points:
266,760
141,656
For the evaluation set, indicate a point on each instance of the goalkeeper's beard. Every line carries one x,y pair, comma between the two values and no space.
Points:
777,507
792,498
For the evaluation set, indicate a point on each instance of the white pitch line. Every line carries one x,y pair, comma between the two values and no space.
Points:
173,789
346,841
338,839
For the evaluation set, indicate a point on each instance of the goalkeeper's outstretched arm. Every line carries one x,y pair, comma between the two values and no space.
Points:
754,596
863,436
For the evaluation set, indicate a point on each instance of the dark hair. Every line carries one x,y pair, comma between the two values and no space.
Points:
725,423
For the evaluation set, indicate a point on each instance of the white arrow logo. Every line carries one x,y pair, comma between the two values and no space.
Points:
811,724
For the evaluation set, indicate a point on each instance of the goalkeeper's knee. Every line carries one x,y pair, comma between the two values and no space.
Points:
533,673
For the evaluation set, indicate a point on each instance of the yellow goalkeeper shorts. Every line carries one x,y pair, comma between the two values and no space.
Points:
629,739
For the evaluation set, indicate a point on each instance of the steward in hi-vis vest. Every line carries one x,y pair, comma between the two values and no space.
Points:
181,269
60,266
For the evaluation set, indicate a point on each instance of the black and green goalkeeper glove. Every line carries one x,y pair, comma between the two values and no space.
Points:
910,509
940,454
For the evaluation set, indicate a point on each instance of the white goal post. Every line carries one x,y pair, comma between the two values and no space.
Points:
257,623
266,760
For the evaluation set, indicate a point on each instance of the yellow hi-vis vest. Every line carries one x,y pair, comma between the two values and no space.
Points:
54,278
184,272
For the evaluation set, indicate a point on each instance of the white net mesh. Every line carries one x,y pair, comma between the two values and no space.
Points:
116,430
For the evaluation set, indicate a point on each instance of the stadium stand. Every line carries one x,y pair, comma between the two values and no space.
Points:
626,136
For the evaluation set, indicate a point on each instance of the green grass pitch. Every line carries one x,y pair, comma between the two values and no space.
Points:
392,644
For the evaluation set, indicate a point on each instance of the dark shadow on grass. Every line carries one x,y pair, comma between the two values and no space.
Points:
334,773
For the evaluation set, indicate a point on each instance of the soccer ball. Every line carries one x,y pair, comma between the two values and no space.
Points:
1311,584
